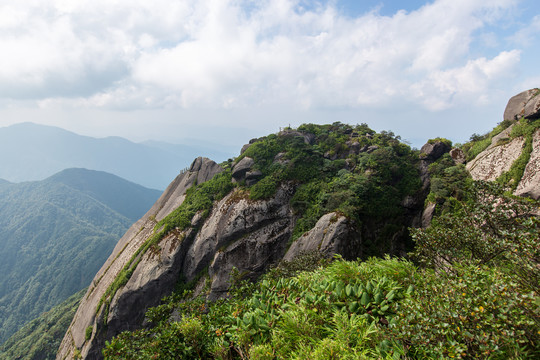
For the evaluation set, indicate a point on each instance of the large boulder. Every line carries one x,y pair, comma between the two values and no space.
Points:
433,150
457,155
307,137
240,170
243,234
525,104
332,234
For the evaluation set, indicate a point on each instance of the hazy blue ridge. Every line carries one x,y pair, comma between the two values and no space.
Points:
127,198
54,236
34,152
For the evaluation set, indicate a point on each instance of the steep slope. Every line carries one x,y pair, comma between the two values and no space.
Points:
54,237
245,214
46,150
127,198
510,154
39,339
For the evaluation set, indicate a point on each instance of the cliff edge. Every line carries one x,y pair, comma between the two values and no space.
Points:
330,189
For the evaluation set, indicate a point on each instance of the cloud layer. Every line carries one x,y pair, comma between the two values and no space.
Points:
133,54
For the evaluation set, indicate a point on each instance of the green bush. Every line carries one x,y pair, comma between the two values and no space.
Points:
469,312
439,139
88,333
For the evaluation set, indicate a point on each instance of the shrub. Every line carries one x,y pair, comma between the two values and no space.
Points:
470,312
88,333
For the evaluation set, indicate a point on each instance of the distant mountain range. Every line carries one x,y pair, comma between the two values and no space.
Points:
56,233
33,152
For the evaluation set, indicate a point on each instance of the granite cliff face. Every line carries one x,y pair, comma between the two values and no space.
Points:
150,281
510,146
248,234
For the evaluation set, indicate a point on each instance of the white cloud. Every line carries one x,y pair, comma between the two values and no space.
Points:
466,84
233,54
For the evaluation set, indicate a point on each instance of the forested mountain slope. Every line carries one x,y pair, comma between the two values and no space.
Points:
39,339
54,236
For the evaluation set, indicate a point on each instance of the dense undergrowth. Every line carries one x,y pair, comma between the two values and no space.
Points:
468,290
350,169
471,293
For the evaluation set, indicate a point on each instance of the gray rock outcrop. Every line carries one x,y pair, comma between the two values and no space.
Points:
431,151
332,234
495,160
457,155
530,181
236,232
240,170
503,151
253,176
87,314
525,104
307,137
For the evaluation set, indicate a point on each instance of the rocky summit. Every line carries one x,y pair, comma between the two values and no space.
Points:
330,189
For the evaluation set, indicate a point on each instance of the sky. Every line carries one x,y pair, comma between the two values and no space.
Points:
222,72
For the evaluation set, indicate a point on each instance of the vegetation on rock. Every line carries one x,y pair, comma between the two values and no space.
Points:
469,289
472,294
448,182
353,170
349,169
479,143
523,128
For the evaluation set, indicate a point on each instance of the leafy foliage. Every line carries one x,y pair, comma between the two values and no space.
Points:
490,229
479,143
331,176
475,296
440,139
469,313
281,318
481,286
449,182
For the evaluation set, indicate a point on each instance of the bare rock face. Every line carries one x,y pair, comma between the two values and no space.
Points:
501,154
525,104
244,234
331,235
530,182
240,170
457,155
431,151
87,314
495,160
307,137
428,213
